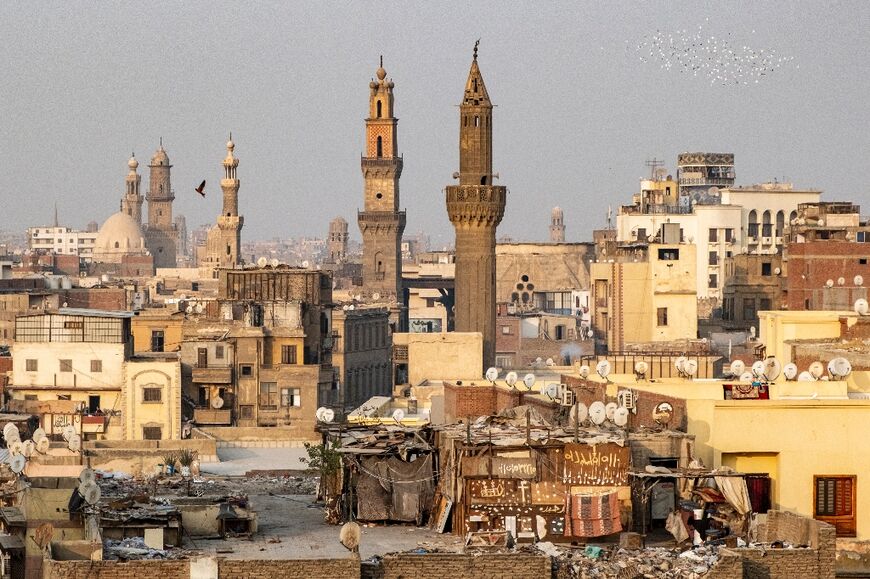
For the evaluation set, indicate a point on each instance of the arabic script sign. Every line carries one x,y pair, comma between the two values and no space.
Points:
601,465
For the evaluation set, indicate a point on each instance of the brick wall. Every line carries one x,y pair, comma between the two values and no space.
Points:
729,566
588,391
460,566
290,569
149,569
462,401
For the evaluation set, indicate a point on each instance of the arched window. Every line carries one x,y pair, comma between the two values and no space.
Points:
792,216
117,245
780,222
379,109
766,224
476,121
380,147
752,229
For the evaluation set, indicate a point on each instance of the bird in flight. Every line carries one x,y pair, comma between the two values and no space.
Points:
201,189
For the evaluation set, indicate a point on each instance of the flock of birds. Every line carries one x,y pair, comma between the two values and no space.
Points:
714,58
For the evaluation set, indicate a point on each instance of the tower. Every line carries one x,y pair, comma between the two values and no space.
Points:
131,204
475,208
557,226
160,234
224,240
381,222
338,237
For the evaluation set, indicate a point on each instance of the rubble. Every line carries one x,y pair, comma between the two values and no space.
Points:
112,485
135,548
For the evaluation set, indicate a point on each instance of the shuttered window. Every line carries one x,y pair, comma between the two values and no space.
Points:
835,503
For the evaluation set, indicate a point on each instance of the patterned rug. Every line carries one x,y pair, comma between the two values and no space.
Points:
592,515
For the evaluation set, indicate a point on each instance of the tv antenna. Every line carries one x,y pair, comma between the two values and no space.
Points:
654,164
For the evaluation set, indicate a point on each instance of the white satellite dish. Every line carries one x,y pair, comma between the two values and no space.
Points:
757,368
68,431
217,402
324,414
87,476
580,413
841,281
550,362
189,309
18,463
584,371
603,368
529,380
816,369
275,262
772,369
790,371
305,264
597,412
829,283
14,436
859,280
805,377
839,368
43,445
90,492
262,261
492,374
398,415
777,271
511,379
747,377
690,367
609,409
9,428
737,367
75,443
620,416
679,363
862,307
28,448
15,447
198,308
551,391
376,296
641,368
662,413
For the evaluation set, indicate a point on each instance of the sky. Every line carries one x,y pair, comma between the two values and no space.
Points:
578,112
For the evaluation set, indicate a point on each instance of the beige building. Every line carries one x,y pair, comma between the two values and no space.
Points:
529,274
646,294
362,353
447,356
224,242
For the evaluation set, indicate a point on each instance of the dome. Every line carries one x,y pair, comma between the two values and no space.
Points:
382,74
133,163
120,235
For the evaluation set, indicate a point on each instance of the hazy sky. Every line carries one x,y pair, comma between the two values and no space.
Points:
578,113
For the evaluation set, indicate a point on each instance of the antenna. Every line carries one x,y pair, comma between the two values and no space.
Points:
654,164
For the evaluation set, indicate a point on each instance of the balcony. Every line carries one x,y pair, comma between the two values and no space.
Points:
212,416
213,375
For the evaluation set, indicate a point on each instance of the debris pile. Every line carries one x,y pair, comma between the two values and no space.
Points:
135,548
610,562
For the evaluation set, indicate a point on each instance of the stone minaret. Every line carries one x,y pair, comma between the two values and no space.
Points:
131,204
557,226
338,237
381,222
476,207
230,222
160,233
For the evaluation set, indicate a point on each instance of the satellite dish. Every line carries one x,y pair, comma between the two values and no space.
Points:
839,368
43,445
90,492
790,371
324,414
87,476
189,308
75,443
14,436
805,377
550,362
68,431
217,402
861,307
17,463
398,415
816,369
492,374
662,413
841,281
376,296
757,368
747,377
15,448
9,428
620,416
199,308
262,261
603,368
680,364
275,262
737,367
690,367
529,380
584,371
777,271
305,264
511,379
859,280
551,390
641,368
829,283
580,413
609,409
28,448
351,307
597,412
772,369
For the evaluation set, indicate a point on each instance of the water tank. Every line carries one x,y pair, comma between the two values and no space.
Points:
52,282
66,282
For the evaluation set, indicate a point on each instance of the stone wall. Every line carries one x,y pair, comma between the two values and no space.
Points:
459,566
177,569
290,569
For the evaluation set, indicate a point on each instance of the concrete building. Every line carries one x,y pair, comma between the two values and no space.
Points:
161,236
224,242
645,295
702,175
753,283
61,240
475,208
362,353
338,238
86,357
382,222
557,225
448,356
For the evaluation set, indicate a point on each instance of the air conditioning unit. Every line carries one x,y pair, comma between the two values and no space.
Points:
627,399
566,395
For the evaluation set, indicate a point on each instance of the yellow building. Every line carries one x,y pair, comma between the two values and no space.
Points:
448,356
645,294
157,330
775,328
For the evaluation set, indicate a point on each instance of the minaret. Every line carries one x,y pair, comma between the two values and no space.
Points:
230,222
131,204
557,226
338,237
381,222
160,194
476,207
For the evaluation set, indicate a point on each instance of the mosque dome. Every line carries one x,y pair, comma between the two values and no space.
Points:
120,235
133,163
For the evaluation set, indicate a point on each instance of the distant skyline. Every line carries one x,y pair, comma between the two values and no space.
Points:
578,113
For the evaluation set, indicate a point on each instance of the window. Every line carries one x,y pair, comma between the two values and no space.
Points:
66,366
157,340
729,235
219,352
246,412
714,258
379,109
764,304
662,316
748,309
835,503
862,261
288,354
713,281
641,234
506,330
96,365
152,432
74,325
765,268
669,254
862,237
269,395
31,365
246,370
380,147
202,357
291,397
713,235
152,394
